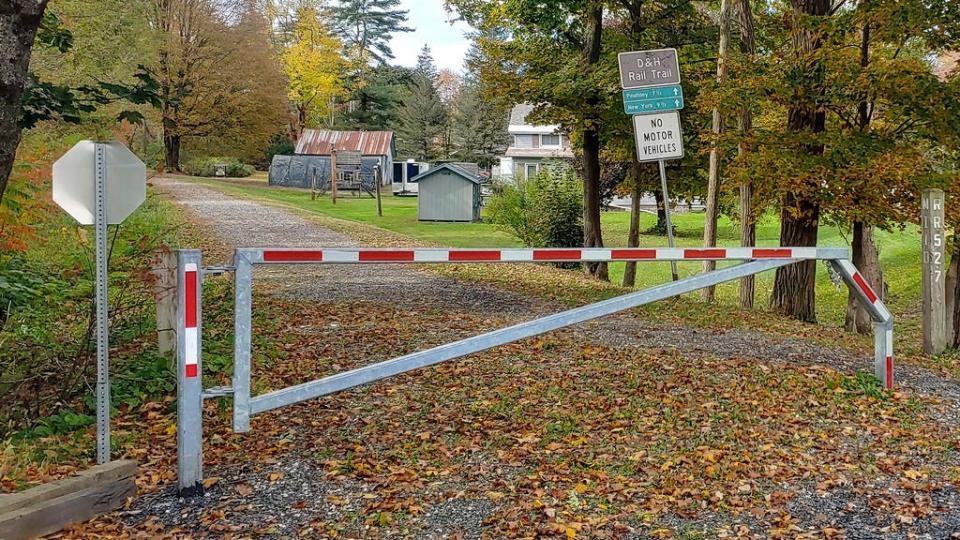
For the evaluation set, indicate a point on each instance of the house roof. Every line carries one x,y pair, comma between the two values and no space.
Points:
320,142
518,121
448,167
519,113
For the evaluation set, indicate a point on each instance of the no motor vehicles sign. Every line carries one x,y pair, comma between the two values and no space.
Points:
658,136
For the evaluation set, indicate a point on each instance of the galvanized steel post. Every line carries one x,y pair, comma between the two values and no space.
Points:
189,373
243,326
882,319
103,314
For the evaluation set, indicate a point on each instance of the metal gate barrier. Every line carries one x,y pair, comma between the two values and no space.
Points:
190,273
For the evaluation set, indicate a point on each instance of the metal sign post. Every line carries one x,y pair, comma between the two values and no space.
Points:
103,336
666,213
82,179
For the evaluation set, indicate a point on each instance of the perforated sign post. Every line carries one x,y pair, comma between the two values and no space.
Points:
99,183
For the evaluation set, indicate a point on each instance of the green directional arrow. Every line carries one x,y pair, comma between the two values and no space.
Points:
655,92
653,99
652,105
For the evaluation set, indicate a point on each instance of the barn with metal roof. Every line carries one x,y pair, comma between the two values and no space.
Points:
312,157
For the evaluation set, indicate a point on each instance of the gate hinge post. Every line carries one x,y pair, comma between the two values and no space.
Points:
218,270
217,392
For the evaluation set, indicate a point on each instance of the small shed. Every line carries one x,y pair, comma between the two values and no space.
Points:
448,193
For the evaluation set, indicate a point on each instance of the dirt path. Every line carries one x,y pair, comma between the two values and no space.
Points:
238,222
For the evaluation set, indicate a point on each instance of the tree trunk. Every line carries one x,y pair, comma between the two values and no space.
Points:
633,238
661,226
713,180
951,288
592,236
865,256
867,261
19,20
748,229
793,286
171,152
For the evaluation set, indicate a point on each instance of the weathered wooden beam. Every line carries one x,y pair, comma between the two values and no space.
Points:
165,290
49,508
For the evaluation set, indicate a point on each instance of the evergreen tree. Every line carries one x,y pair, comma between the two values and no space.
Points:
426,67
367,25
423,114
479,128
384,96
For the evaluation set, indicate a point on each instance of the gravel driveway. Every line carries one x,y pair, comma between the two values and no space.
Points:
239,222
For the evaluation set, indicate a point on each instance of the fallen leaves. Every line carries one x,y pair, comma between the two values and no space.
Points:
562,440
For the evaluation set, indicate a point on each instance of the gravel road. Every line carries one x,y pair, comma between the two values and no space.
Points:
238,222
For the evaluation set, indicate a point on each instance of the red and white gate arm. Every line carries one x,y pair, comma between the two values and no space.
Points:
882,319
450,255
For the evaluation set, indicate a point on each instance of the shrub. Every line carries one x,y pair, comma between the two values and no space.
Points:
208,167
545,211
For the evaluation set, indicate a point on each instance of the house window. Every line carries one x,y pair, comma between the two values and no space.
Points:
531,170
550,140
526,141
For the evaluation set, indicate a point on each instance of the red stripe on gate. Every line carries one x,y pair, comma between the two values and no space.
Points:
556,254
889,372
759,253
862,283
386,256
468,256
704,253
633,254
190,300
293,256
191,370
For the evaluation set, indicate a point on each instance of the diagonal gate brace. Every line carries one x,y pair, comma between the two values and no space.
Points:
436,355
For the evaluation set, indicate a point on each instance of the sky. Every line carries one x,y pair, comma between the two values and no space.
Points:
446,40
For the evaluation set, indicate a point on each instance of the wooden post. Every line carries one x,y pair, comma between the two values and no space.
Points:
933,275
165,290
377,178
333,174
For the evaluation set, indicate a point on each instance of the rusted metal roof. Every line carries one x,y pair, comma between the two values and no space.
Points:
319,142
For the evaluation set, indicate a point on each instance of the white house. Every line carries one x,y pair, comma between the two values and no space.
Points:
531,145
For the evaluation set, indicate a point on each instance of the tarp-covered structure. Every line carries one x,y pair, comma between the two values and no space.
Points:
312,157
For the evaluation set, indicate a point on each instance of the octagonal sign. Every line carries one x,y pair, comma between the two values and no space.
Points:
74,181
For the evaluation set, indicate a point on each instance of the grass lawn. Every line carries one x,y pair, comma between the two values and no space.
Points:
899,250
